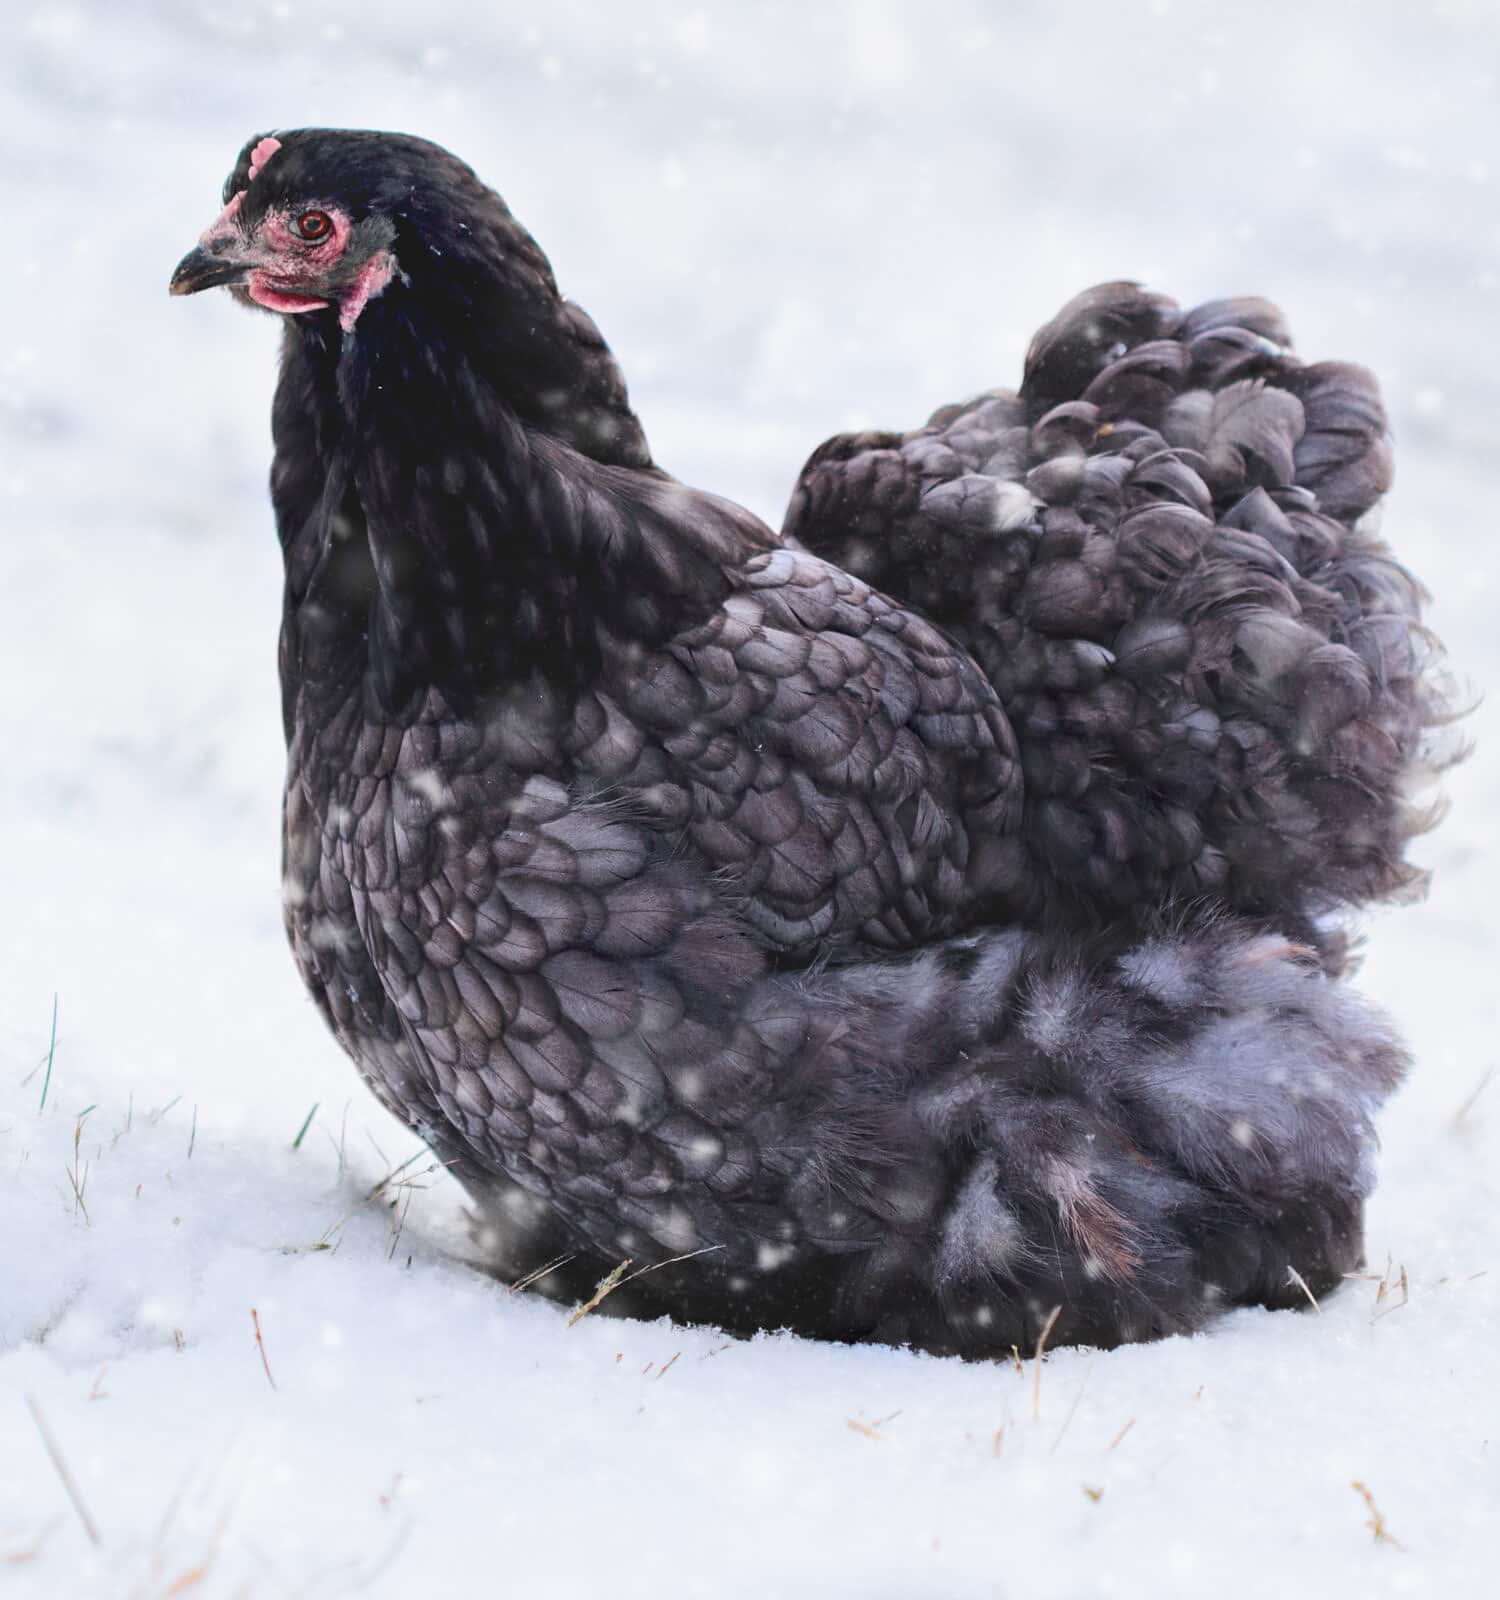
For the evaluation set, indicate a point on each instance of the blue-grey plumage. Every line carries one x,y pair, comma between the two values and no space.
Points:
693,895
1160,550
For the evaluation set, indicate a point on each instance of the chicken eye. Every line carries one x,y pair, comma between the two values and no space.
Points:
314,225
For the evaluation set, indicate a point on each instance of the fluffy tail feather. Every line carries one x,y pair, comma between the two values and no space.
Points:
1162,553
1141,1138
1141,1135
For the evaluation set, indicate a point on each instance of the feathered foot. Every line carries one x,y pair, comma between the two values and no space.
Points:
1137,1136
1141,1140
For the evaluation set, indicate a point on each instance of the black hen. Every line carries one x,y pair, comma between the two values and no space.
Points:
1159,552
664,876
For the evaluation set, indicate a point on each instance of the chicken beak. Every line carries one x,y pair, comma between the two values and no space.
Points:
200,270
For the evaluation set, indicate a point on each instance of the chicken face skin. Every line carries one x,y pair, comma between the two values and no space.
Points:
288,253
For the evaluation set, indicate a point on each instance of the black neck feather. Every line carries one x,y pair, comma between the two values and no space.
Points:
466,500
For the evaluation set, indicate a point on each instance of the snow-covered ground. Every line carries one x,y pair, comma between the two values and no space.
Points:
787,219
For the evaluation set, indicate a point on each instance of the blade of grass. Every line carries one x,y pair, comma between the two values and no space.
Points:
306,1124
616,1277
1295,1277
51,1051
1041,1348
90,1527
261,1346
394,1173
538,1273
607,1287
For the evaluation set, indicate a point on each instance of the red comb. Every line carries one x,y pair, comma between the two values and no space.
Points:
261,154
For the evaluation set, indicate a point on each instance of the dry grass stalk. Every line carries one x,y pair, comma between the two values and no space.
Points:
1388,1288
201,1569
90,1527
189,1580
394,1173
78,1173
1293,1276
666,1369
1472,1098
261,1346
1096,1495
866,1429
392,1179
399,1212
1072,1409
607,1286
616,1278
1375,1522
29,1552
1120,1435
536,1274
1041,1347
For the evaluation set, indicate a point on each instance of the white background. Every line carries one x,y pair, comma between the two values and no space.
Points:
788,220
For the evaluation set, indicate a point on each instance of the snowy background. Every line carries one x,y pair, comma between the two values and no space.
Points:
788,220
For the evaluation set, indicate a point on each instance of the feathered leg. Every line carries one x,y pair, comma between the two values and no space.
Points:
1141,1139
1138,1136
